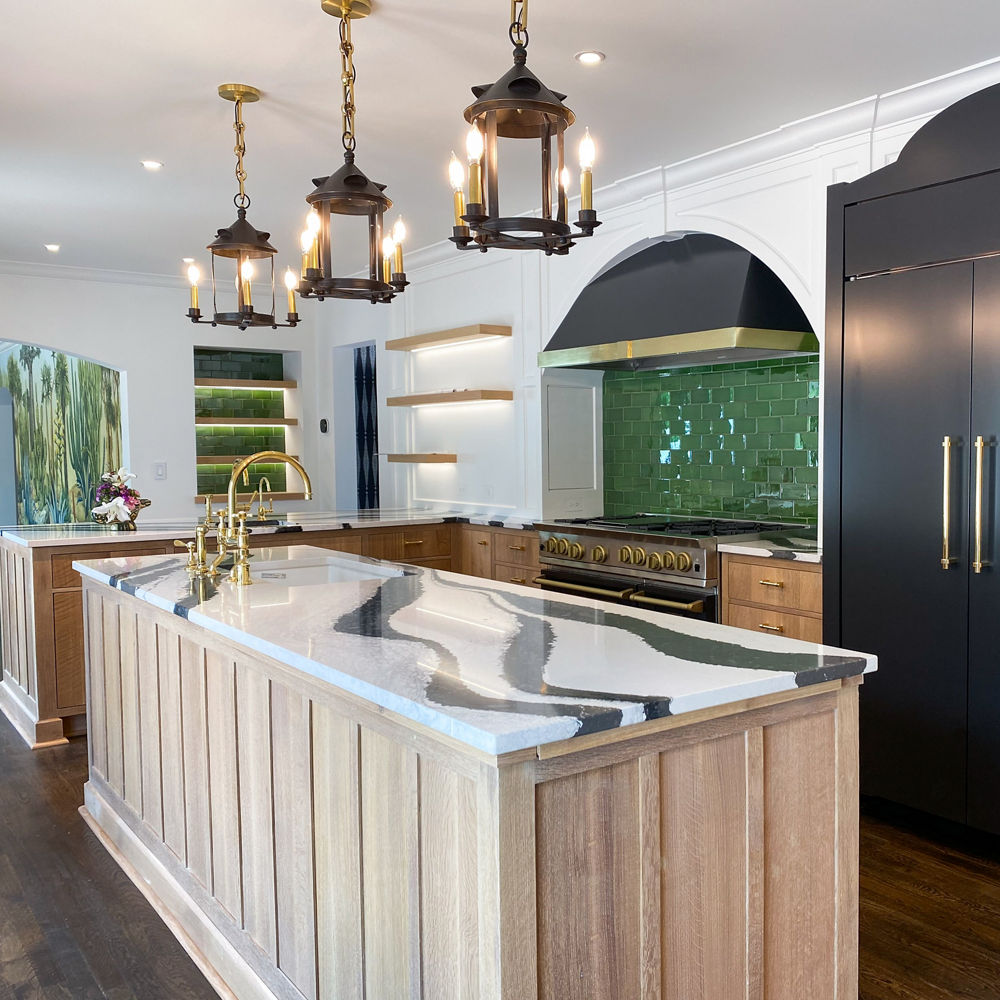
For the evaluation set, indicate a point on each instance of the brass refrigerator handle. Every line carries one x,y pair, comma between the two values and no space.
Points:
947,560
694,607
978,563
580,588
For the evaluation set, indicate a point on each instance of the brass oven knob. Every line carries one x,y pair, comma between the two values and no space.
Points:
654,560
683,562
599,554
638,556
551,545
576,551
668,560
625,553
563,547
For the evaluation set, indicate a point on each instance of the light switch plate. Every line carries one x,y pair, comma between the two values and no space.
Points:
159,470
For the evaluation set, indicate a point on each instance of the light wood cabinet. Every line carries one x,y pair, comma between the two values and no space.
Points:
773,596
506,554
477,551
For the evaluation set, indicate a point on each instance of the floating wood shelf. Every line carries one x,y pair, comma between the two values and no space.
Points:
246,422
246,383
456,396
230,459
449,338
245,498
427,457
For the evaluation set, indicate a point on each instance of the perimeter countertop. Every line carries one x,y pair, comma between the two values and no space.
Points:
497,666
298,521
790,547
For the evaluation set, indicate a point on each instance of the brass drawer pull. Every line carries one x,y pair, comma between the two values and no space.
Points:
771,583
482,542
947,559
517,548
518,579
579,587
418,541
694,607
772,628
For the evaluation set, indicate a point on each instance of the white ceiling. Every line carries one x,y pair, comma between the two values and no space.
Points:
90,89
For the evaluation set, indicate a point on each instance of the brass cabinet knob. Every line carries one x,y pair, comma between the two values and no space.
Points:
576,551
599,554
682,561
668,560
638,555
654,560
563,547
625,553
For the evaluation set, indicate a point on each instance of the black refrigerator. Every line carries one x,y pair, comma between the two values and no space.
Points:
912,427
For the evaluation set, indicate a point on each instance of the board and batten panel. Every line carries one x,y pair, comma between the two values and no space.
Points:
391,867
589,901
67,613
572,443
220,699
194,730
148,663
97,737
171,744
131,730
253,710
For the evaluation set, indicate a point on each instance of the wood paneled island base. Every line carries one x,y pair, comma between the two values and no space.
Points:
303,842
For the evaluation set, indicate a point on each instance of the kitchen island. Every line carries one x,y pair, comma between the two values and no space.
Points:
363,779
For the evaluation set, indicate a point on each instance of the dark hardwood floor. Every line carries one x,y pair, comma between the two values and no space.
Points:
72,926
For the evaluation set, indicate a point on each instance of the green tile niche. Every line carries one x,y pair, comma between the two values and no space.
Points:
726,440
238,403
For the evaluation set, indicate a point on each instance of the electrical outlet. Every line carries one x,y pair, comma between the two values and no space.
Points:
159,470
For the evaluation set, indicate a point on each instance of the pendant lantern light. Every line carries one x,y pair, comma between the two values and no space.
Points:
241,243
520,106
349,192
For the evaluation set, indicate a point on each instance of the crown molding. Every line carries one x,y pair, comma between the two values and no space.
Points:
63,272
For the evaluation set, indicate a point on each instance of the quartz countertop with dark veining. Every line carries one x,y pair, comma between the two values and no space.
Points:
40,535
494,665
791,547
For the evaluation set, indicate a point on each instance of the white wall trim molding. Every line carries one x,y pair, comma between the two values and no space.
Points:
62,272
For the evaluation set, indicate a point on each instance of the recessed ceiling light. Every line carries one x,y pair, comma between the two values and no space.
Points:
590,57
151,164
52,247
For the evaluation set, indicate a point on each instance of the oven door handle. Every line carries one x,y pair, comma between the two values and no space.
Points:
581,588
693,607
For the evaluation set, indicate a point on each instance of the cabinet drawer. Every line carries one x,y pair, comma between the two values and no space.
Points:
383,545
523,575
65,577
338,541
775,584
477,552
791,626
433,562
517,548
426,541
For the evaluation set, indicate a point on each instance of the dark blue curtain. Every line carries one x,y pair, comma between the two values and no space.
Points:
366,427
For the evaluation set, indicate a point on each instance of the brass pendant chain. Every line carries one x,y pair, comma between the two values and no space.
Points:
241,200
348,75
519,22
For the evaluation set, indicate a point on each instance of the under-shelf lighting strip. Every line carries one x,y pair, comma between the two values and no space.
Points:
457,343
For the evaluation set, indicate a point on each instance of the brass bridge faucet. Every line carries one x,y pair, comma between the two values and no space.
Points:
241,469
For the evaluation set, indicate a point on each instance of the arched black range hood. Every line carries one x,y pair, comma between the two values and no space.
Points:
697,300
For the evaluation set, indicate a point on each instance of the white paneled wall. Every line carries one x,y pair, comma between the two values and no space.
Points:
768,194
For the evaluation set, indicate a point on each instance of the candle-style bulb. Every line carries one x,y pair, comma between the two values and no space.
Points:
456,173
565,179
388,252
306,240
246,270
399,231
194,275
474,145
313,221
291,281
588,151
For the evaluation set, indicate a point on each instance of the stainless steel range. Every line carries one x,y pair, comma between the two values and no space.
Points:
654,561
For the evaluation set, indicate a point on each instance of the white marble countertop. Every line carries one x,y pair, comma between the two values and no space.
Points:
496,666
147,530
791,548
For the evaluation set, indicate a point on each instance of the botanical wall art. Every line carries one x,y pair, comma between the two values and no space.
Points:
67,430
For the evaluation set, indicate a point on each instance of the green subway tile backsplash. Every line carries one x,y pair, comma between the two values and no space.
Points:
265,365
734,440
